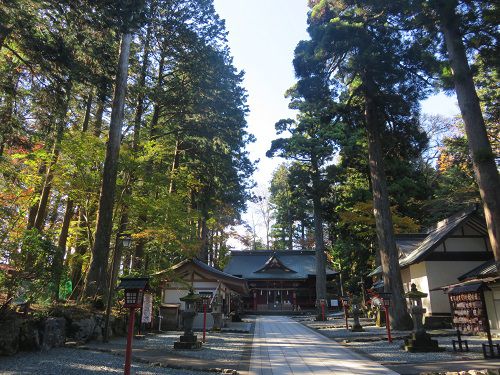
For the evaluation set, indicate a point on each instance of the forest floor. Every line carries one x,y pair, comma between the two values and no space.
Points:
372,342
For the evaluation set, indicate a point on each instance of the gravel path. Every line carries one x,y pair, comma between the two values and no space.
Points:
224,346
386,353
66,361
374,343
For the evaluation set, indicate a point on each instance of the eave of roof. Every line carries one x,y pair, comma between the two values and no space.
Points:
238,283
484,280
486,269
433,239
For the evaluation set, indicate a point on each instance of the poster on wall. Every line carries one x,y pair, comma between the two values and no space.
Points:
147,308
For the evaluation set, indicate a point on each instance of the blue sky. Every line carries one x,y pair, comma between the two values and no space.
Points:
262,37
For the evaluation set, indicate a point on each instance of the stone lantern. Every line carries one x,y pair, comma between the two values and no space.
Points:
217,312
189,340
356,313
420,340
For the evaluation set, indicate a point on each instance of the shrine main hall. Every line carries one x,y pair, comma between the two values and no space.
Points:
278,280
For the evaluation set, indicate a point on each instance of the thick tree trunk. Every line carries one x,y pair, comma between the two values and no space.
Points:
96,280
118,250
57,265
483,158
393,283
319,243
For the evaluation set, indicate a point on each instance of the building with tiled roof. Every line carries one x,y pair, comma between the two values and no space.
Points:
441,255
278,280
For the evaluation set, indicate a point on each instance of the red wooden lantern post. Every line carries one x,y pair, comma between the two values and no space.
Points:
134,289
387,303
322,303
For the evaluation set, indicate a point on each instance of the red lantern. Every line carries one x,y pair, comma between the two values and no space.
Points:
133,298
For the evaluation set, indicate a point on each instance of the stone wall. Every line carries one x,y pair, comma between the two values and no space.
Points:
18,333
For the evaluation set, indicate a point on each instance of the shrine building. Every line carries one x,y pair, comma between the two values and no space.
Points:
441,255
278,280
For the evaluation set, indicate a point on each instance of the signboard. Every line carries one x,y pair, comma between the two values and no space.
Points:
147,308
469,312
334,303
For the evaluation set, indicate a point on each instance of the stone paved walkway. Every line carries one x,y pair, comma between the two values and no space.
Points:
282,346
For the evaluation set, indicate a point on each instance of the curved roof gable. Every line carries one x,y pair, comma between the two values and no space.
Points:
274,265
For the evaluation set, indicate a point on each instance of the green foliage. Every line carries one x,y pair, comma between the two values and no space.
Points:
184,172
33,279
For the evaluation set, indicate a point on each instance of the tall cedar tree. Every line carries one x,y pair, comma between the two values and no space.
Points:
97,276
374,70
312,143
467,28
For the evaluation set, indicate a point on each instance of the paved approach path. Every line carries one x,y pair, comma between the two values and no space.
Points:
282,346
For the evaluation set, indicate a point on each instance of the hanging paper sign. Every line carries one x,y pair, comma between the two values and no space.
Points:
147,308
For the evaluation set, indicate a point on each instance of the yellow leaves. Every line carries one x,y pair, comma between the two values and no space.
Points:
168,236
361,216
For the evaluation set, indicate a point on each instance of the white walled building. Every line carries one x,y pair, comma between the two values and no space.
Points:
441,255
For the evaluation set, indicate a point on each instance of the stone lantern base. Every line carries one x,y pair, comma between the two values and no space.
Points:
187,342
356,327
422,342
217,321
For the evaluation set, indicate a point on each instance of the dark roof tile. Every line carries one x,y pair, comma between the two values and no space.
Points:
249,264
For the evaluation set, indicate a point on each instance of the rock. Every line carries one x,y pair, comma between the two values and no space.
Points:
9,336
118,326
82,330
99,328
29,336
53,333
